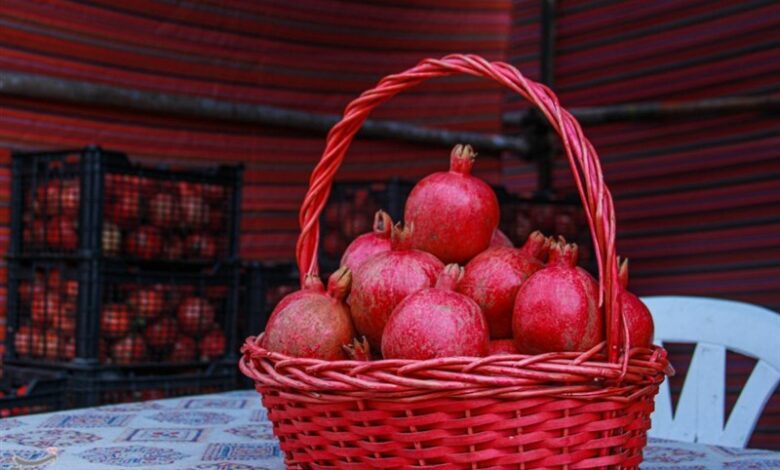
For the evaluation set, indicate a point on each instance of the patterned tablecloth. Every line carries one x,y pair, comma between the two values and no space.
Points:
229,431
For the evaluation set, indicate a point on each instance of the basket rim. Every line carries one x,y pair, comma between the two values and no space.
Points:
561,374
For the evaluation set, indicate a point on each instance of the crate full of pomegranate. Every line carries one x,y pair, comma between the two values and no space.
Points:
91,202
59,313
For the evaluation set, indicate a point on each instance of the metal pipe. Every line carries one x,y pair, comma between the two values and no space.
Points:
80,92
660,110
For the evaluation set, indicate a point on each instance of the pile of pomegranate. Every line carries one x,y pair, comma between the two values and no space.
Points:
143,218
447,282
161,323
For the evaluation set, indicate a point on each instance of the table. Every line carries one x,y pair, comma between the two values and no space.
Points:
230,431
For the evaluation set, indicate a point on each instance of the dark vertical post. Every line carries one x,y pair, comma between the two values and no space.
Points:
544,158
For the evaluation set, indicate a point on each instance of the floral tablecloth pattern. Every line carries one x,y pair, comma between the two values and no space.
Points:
229,431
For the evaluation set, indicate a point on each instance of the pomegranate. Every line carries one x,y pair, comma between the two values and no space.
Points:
164,210
385,279
70,197
146,302
61,233
183,350
369,244
212,345
64,321
44,307
556,309
499,238
28,342
194,212
34,232
195,315
112,239
436,322
454,213
200,246
129,350
54,345
493,277
114,320
161,333
637,316
126,206
145,242
313,322
502,346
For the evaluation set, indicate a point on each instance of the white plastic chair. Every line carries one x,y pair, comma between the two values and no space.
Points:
715,326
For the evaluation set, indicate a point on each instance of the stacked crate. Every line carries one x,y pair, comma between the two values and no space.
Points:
125,276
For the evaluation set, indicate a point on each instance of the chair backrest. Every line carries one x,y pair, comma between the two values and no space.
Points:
715,326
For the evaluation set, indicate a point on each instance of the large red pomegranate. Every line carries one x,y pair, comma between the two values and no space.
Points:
313,322
195,315
637,316
145,242
493,277
556,309
436,322
454,213
387,278
124,209
369,244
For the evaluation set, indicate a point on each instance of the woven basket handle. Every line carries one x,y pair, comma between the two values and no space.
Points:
583,161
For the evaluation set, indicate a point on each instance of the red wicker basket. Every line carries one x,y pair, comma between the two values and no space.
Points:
557,410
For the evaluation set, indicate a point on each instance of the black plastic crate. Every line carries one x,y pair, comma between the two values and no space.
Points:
263,287
351,207
25,392
84,315
92,202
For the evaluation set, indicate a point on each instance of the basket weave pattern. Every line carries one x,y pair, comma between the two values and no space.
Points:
557,410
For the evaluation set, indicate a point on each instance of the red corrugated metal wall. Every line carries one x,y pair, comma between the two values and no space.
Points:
696,198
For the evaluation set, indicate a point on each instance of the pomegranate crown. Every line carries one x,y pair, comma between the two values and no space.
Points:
462,159
313,282
563,253
383,224
401,237
359,350
450,277
339,283
537,246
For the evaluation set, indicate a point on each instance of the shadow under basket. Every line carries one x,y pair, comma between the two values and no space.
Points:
561,410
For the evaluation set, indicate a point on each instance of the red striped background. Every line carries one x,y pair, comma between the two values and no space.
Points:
697,197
